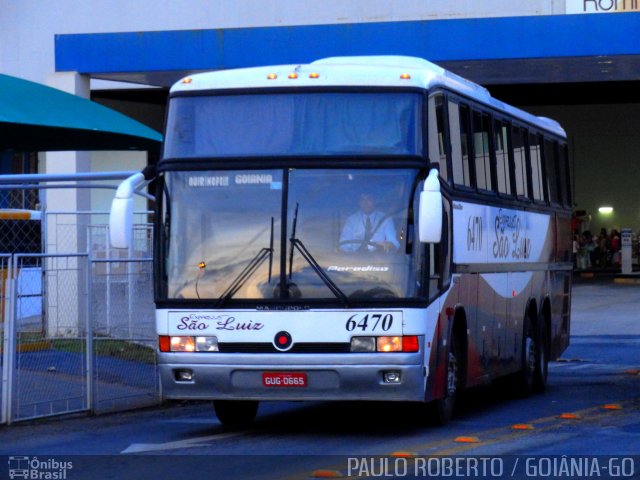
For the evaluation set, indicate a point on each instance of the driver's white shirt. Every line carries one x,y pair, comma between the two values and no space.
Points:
354,230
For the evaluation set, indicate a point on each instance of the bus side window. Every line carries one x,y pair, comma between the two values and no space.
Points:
536,167
459,128
440,256
438,135
434,270
551,168
501,146
565,185
520,162
481,153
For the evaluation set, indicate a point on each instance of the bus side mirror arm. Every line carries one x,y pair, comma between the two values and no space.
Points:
430,214
121,215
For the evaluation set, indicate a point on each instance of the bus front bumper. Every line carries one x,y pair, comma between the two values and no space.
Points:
404,379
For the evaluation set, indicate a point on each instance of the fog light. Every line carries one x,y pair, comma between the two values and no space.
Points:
391,377
184,375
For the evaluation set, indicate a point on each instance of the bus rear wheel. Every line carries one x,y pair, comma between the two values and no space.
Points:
542,361
235,413
525,378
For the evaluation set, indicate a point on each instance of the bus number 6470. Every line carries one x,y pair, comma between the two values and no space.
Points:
369,322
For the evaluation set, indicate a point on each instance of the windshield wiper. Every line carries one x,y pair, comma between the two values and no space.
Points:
293,235
321,273
297,243
249,270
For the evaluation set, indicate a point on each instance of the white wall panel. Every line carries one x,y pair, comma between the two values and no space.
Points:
27,27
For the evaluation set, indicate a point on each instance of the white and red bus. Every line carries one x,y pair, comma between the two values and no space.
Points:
269,283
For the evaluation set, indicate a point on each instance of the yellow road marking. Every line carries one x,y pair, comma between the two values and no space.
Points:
448,447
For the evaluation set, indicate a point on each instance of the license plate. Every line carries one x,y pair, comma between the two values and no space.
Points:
284,379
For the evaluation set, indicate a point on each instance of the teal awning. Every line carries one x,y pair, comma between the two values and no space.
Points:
34,117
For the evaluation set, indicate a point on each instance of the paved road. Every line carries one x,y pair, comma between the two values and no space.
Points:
597,382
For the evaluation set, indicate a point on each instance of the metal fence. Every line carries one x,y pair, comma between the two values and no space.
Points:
5,268
78,328
124,341
48,371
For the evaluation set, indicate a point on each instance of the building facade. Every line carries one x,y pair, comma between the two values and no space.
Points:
577,61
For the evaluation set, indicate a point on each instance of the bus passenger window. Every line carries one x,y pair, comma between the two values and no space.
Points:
481,151
459,128
565,185
536,167
438,134
551,162
501,145
520,161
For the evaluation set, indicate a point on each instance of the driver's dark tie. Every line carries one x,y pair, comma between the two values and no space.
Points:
368,229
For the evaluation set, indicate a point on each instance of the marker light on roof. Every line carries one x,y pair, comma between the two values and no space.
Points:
405,76
272,76
293,76
187,80
314,75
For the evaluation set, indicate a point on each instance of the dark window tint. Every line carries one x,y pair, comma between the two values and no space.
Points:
565,184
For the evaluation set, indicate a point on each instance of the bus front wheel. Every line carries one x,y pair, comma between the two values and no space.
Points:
442,409
235,413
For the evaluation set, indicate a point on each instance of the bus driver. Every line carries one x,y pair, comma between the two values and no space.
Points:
368,230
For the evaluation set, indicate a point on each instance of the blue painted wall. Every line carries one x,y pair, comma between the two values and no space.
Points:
436,40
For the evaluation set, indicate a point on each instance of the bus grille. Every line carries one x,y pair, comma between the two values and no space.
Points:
296,348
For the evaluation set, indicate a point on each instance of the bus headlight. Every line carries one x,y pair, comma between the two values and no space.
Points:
183,344
188,344
407,343
207,344
389,344
363,344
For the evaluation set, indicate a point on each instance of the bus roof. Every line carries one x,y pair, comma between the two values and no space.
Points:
363,71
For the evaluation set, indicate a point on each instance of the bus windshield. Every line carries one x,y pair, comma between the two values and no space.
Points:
277,124
329,234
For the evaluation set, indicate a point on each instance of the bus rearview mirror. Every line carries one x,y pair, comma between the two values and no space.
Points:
121,222
121,215
430,214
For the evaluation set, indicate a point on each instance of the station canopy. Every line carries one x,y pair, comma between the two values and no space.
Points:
34,117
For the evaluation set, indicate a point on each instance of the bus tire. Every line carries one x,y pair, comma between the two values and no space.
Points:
542,362
525,378
235,413
441,410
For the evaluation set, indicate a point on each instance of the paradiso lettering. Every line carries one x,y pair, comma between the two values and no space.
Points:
510,240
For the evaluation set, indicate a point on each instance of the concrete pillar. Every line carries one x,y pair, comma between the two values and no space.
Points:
65,280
